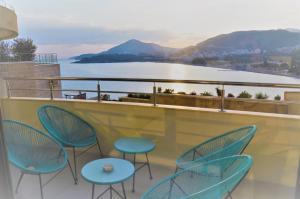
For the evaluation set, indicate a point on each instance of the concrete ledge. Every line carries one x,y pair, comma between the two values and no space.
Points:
267,106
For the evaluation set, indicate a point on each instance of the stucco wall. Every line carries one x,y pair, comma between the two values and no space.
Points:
275,148
8,23
30,69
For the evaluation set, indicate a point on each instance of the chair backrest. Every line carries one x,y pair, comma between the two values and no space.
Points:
29,148
64,126
231,143
213,179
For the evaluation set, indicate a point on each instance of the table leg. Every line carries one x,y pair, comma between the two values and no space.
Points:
75,166
133,173
124,156
93,191
124,193
110,191
148,164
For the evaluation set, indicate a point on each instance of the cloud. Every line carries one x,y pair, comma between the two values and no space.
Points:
70,50
74,34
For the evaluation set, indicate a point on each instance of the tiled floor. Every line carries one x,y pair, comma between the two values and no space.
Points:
62,187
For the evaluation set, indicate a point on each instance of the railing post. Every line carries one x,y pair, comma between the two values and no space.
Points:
51,86
7,88
222,104
154,95
98,92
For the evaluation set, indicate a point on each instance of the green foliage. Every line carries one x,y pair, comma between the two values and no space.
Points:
4,51
206,93
199,61
181,93
230,95
159,89
219,91
23,49
261,95
168,91
296,58
193,93
244,94
141,96
295,68
277,97
17,50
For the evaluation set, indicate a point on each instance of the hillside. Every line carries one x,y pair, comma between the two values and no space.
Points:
131,48
136,47
268,51
244,42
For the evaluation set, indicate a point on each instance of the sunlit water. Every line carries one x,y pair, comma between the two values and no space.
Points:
167,71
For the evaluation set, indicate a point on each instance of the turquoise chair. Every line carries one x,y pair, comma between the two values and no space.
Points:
70,130
32,151
228,144
215,179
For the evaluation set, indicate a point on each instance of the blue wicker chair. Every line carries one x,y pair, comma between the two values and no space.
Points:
32,151
212,180
228,144
70,130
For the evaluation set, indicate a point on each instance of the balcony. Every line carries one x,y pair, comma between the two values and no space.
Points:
275,148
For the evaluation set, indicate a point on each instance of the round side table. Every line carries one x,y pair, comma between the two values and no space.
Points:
135,146
93,173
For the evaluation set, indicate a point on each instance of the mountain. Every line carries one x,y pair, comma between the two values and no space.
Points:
237,44
136,47
293,30
243,42
83,56
133,48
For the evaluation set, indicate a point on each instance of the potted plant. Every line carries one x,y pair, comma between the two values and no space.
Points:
230,95
219,92
277,97
244,94
206,93
260,95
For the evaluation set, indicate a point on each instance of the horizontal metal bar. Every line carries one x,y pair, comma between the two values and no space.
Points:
229,83
79,90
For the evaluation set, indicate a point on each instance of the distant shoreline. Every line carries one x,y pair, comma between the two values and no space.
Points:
258,70
235,68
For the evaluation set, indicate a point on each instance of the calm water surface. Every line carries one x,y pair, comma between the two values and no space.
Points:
167,71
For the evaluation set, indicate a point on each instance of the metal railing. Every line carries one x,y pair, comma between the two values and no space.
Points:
39,58
98,80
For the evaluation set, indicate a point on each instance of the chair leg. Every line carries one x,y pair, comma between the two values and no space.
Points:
171,188
148,164
73,175
228,195
93,191
133,184
19,181
98,144
110,191
124,193
75,166
41,186
176,169
59,154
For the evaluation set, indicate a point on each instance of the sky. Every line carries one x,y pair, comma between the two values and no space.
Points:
73,27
